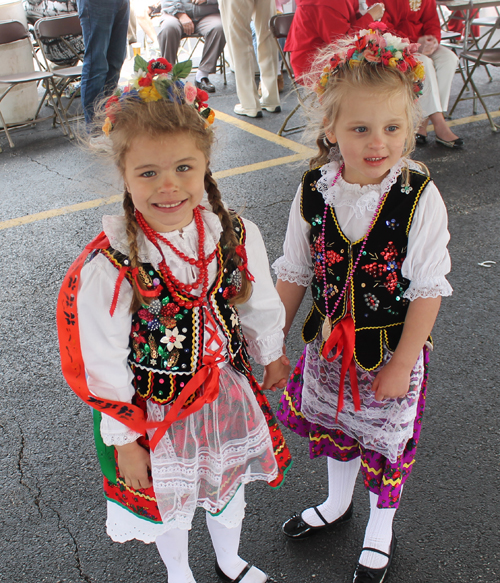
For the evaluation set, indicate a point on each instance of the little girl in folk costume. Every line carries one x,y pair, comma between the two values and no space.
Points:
368,233
155,319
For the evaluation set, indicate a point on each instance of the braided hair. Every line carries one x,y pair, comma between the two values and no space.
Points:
159,119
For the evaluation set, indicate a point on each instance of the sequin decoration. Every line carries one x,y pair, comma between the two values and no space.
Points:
392,224
317,220
330,291
388,267
372,301
406,189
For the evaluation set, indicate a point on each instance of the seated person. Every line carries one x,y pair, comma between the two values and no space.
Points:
57,51
317,23
418,20
181,18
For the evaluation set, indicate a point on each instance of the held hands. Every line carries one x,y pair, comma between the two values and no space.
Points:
377,11
276,374
187,23
134,463
392,382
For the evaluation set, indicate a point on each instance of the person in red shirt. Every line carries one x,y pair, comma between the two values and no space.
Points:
317,23
418,21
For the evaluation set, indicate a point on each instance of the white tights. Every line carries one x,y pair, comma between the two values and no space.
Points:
341,482
225,531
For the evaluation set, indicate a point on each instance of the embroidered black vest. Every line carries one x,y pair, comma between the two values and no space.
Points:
167,341
377,306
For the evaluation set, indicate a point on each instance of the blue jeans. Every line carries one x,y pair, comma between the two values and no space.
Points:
104,24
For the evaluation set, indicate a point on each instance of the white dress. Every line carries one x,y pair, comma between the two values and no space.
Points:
227,439
384,427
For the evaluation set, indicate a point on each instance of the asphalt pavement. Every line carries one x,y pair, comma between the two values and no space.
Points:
53,194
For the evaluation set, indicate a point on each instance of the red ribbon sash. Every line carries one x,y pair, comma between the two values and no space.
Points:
73,367
342,337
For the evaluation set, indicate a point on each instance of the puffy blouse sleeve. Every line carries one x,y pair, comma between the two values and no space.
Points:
428,260
295,265
104,341
263,315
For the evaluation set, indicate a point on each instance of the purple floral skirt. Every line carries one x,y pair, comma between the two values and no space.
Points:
380,476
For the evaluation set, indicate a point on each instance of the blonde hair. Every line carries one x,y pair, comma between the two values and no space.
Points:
365,75
157,119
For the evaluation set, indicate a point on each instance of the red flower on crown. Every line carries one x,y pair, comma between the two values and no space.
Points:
159,66
146,81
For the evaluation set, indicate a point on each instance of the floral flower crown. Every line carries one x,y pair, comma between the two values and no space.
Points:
155,80
373,46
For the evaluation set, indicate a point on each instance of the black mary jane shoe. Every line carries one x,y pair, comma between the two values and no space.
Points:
420,140
455,144
205,85
364,574
225,579
296,528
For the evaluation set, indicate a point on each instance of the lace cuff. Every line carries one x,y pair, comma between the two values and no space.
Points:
115,433
286,271
433,288
268,349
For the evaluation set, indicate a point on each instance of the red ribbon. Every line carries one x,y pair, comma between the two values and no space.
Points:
119,280
342,337
242,252
73,367
207,376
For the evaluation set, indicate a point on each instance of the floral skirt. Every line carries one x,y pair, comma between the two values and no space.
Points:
202,460
380,475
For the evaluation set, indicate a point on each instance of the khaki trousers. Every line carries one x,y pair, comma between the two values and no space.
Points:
440,69
210,27
236,16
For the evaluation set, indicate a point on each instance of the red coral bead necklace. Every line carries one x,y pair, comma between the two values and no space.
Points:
174,285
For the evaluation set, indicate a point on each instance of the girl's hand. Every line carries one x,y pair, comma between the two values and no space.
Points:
392,382
276,374
134,463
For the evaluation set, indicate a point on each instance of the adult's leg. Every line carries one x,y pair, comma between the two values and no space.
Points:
267,52
210,27
445,64
236,16
430,102
169,38
173,549
225,532
97,20
117,50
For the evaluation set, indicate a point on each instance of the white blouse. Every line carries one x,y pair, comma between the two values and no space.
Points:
105,339
427,260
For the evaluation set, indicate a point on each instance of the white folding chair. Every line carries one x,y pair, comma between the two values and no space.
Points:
12,31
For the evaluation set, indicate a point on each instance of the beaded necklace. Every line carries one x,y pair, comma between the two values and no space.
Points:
327,324
174,286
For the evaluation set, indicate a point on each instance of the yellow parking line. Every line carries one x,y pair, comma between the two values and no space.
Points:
471,119
116,198
301,153
264,134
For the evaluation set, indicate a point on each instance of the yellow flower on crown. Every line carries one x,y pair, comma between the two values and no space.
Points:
149,93
107,126
354,63
393,62
419,71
